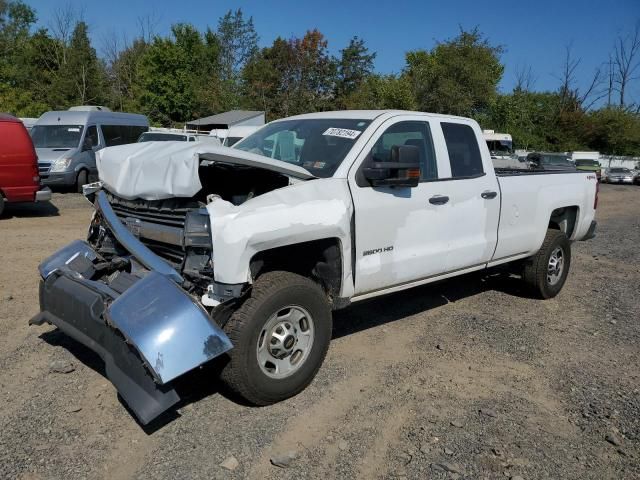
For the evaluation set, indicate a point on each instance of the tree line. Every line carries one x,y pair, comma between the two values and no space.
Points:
190,73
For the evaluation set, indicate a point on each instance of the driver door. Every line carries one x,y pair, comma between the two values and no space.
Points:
398,230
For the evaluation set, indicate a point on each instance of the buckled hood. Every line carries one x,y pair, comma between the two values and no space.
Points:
159,170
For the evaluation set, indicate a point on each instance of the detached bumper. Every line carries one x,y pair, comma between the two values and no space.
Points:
148,335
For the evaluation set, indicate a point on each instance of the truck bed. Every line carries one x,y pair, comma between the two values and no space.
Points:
509,172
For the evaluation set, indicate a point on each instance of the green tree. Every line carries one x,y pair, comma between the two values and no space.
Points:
459,76
314,75
122,71
353,68
178,77
84,74
382,92
16,18
238,45
269,77
614,131
530,117
238,42
291,77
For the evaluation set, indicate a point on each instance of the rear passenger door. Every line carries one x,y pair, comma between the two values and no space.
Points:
473,197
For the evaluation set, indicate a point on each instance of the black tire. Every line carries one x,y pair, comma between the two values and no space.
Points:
536,268
1,204
83,179
271,293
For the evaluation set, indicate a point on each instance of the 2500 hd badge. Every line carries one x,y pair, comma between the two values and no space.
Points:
377,250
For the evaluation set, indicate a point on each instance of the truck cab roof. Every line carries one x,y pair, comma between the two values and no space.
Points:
367,114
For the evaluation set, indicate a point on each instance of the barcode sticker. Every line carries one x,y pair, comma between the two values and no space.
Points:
342,133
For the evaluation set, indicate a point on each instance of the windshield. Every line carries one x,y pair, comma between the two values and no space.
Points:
587,163
56,136
503,147
161,137
620,170
319,145
555,160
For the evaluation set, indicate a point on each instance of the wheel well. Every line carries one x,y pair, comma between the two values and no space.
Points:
564,219
320,260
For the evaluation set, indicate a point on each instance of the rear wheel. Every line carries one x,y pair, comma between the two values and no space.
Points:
1,204
280,334
82,180
546,271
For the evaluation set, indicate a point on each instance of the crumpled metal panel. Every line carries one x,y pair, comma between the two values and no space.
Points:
64,256
171,332
131,243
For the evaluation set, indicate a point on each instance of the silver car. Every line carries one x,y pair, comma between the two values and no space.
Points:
619,175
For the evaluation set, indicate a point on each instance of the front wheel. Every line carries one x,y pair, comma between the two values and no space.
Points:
280,335
546,271
82,180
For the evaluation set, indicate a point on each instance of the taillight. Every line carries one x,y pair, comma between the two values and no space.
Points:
595,200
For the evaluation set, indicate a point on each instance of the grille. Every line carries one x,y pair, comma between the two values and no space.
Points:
158,224
43,168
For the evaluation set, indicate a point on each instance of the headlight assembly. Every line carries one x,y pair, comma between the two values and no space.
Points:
60,165
197,229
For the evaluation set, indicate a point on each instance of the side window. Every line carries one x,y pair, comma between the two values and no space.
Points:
416,134
92,134
133,132
121,134
464,153
112,135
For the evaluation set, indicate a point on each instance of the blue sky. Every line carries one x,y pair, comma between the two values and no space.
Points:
533,33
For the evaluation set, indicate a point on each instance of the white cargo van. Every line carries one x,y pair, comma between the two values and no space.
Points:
66,141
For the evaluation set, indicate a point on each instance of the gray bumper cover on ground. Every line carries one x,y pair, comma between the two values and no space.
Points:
148,336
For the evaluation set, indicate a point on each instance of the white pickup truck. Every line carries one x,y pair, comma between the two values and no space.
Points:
201,251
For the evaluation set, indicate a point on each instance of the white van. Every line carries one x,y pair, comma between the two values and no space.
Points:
66,141
232,135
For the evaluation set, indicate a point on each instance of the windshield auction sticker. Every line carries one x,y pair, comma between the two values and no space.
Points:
342,133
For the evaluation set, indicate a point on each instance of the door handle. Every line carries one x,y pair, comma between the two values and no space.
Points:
438,200
488,194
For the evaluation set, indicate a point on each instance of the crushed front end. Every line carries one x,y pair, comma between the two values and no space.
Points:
131,294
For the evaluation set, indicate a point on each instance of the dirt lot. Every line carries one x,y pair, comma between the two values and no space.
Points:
464,379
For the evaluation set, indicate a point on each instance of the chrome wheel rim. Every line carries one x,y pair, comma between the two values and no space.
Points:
555,266
285,341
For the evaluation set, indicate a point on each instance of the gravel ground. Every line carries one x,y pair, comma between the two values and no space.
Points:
467,378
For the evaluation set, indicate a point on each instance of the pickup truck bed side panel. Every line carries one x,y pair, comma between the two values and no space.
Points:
527,203
311,210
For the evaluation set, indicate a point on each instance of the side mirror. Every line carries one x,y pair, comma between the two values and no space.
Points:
403,169
88,144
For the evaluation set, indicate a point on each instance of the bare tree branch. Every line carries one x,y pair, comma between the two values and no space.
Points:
147,25
626,55
594,93
525,78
